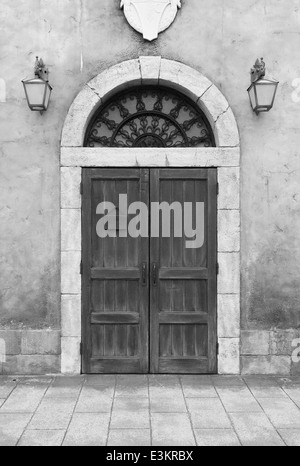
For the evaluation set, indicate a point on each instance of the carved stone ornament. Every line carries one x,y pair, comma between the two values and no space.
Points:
258,71
150,17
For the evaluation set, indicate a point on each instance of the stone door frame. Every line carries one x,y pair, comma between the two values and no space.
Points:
225,157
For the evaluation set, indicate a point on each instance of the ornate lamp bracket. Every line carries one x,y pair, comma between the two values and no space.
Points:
258,71
40,70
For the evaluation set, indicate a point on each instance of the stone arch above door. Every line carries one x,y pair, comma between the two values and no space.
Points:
225,156
155,71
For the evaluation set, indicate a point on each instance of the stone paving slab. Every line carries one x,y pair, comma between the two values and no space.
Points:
291,437
286,382
87,430
262,387
129,438
149,410
227,381
283,413
238,399
69,381
194,387
11,428
34,381
208,413
95,399
160,385
42,438
255,430
130,413
167,404
132,404
6,388
172,429
128,419
216,438
294,394
63,393
24,399
108,381
53,414
65,388
129,385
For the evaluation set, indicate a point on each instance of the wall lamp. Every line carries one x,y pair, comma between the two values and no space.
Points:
38,90
262,91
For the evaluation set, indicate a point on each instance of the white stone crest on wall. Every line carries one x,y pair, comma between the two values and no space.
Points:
150,17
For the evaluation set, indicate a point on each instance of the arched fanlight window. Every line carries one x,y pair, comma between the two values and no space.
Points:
149,116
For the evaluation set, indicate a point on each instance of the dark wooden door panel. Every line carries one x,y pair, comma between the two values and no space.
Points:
172,314
183,301
115,302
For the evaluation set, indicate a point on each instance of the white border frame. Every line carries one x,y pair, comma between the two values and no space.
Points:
225,157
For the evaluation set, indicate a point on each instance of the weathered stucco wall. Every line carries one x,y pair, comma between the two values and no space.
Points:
80,38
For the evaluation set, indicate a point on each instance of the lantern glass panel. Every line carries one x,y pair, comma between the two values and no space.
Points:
252,97
265,93
47,96
35,90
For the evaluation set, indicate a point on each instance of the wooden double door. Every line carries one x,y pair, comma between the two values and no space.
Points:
149,302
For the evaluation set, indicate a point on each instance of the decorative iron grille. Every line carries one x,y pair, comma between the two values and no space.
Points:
149,117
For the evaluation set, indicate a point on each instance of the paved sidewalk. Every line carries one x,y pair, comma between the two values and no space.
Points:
149,410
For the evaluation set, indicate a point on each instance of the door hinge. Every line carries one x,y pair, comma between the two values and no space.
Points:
81,349
218,189
218,269
218,346
81,188
81,268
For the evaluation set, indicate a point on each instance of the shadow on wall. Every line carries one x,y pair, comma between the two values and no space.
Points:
272,292
2,91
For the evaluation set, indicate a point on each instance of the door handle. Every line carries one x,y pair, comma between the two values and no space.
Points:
144,274
154,274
